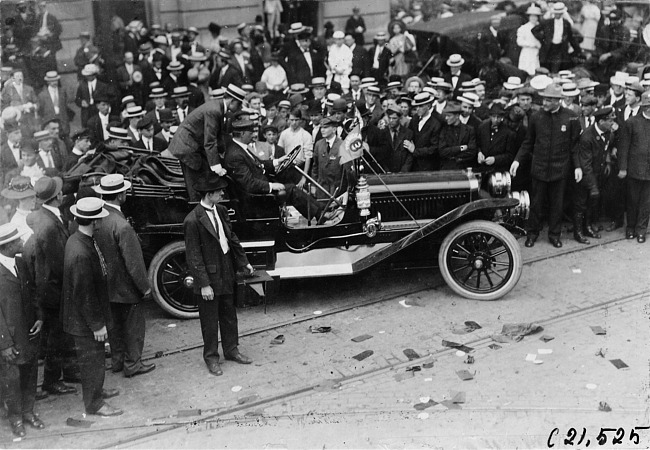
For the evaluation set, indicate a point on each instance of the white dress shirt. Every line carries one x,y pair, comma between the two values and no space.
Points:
103,119
92,87
9,263
47,159
423,120
558,30
213,215
54,95
148,143
307,55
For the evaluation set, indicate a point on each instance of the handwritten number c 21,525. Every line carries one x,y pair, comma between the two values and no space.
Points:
618,438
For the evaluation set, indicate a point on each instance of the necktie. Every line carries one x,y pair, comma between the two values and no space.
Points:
223,241
147,145
100,255
48,161
55,100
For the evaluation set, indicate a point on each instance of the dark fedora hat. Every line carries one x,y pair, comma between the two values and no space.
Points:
210,183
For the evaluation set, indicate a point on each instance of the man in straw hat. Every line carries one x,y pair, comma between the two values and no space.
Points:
86,309
552,134
456,77
556,35
44,253
88,87
127,279
53,102
20,325
425,125
20,189
214,254
634,163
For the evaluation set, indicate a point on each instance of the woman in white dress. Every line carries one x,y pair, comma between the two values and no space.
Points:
529,56
590,14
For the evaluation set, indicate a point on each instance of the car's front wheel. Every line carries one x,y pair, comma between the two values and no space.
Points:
480,260
171,282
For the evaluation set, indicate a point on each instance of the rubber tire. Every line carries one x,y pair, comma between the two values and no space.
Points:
154,267
482,226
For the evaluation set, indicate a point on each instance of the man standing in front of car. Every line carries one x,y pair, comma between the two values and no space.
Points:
426,132
552,133
213,254
634,163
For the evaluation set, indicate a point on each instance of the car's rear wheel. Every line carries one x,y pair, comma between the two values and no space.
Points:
171,282
480,260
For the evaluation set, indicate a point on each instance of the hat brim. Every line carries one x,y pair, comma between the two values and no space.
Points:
184,94
126,187
10,194
103,213
59,187
415,103
52,78
455,64
558,96
14,237
571,93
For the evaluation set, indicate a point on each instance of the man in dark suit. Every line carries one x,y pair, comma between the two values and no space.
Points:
304,63
51,157
167,120
85,306
226,72
400,160
496,142
490,43
20,325
326,168
379,57
81,145
44,253
457,141
588,105
425,126
552,133
356,26
249,173
456,77
53,102
125,73
214,254
359,56
86,91
99,122
10,150
556,35
634,163
127,279
196,141
148,141
589,160
182,97
49,28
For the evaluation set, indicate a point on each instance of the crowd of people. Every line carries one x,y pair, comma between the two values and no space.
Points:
569,120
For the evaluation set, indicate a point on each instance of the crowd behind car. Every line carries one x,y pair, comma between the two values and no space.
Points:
567,114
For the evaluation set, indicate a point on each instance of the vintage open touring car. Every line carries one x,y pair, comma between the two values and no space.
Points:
378,216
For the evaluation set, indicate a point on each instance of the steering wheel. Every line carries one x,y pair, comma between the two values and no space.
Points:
284,165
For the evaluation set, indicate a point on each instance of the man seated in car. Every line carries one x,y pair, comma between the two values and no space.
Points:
251,175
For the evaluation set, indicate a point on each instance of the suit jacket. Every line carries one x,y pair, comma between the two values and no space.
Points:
127,275
205,259
490,48
43,253
359,61
633,151
326,168
248,171
426,156
451,138
589,154
85,306
123,77
11,97
95,127
84,94
401,160
379,146
159,144
18,312
298,70
7,162
462,77
46,108
380,73
57,156
149,75
544,34
501,145
232,75
198,136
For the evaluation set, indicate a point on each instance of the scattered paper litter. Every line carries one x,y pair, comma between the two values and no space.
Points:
531,357
381,332
603,406
457,397
171,325
423,416
538,361
235,388
546,338
460,353
428,379
591,386
577,271
403,303
598,330
544,351
318,312
464,375
424,399
619,364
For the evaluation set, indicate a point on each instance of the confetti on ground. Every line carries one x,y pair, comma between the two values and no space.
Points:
544,351
363,355
423,416
577,271
619,364
460,353
591,386
171,325
494,346
538,361
531,357
363,337
603,406
464,375
546,338
235,388
403,303
598,330
318,312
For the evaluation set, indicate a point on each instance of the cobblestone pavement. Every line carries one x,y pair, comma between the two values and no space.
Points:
310,392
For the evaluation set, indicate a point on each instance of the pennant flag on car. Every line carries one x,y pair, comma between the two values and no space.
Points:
353,146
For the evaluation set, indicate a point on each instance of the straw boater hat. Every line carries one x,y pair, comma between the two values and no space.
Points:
18,188
217,93
158,92
566,74
235,92
52,75
570,90
174,65
422,99
112,184
89,208
298,88
88,70
455,60
197,57
558,8
317,82
180,91
118,133
9,233
539,82
128,99
470,98
381,36
534,10
133,112
296,27
368,81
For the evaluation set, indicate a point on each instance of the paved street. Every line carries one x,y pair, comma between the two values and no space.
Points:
310,392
